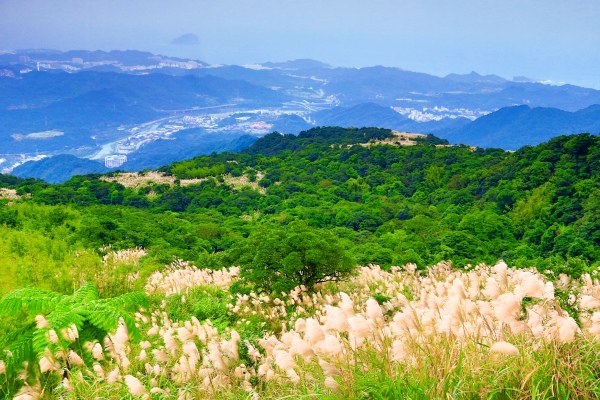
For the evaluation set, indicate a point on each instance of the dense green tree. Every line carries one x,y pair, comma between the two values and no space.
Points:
283,258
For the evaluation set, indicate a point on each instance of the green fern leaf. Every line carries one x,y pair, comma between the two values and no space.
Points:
40,341
35,301
86,293
129,302
17,348
93,317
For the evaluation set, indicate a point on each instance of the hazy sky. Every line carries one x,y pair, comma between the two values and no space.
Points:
551,39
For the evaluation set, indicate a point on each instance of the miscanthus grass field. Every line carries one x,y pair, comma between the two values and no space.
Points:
441,332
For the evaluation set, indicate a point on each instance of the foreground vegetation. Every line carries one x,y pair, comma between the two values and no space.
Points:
295,316
488,332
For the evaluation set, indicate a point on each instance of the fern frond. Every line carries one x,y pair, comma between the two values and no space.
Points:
17,348
93,317
104,317
134,332
36,301
129,302
62,318
40,341
91,333
86,293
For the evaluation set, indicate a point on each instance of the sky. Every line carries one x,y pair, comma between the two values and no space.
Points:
556,40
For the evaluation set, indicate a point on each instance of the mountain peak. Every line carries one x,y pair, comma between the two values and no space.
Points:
474,77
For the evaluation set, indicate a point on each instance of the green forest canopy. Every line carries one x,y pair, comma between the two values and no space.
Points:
382,204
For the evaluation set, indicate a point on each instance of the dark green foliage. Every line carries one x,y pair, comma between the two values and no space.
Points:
532,207
282,258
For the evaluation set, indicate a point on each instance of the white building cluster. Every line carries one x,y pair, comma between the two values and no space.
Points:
115,161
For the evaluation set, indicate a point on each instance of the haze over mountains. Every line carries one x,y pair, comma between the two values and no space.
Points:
99,104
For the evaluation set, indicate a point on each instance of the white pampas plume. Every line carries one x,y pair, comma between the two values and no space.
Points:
374,312
328,369
170,342
337,320
135,386
567,327
142,356
148,368
215,356
183,334
453,307
359,326
74,358
67,384
534,321
230,349
398,351
331,345
563,281
113,376
500,270
492,289
457,289
52,336
153,331
46,365
507,307
253,353
301,348
504,348
97,352
517,327
300,325
28,392
2,367
548,291
445,324
191,351
160,355
594,329
331,383
125,363
294,378
314,332
347,305
264,368
144,344
120,338
270,375
41,322
589,302
98,370
288,337
73,332
284,360
531,285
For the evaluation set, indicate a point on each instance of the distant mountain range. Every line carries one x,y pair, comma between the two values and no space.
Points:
59,168
515,127
374,115
96,103
188,144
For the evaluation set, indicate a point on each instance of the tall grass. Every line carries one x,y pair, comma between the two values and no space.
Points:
484,332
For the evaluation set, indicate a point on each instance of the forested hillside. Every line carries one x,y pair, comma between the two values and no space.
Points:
389,205
299,210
